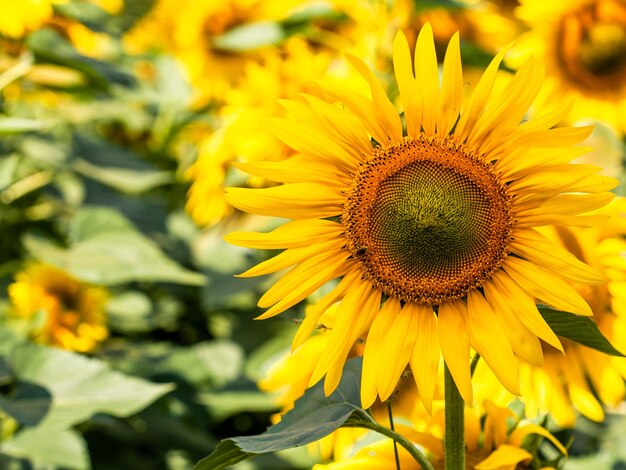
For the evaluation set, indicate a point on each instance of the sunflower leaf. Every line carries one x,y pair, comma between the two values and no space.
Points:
577,328
313,417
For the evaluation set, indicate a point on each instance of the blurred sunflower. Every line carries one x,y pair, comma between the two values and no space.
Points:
279,74
193,30
19,18
583,379
60,310
583,44
494,442
440,219
478,23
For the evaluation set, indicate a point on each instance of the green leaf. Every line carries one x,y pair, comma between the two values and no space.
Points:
209,362
91,222
28,403
229,403
123,179
578,328
8,167
47,447
314,416
107,250
13,125
250,36
79,386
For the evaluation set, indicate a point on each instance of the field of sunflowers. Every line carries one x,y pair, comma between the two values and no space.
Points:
328,234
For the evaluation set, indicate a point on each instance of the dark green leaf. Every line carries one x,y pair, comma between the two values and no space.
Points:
81,387
108,250
28,403
577,328
314,416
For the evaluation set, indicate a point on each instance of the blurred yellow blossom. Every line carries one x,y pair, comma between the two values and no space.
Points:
583,46
493,441
60,310
23,16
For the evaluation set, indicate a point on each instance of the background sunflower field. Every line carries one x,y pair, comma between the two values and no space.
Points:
126,339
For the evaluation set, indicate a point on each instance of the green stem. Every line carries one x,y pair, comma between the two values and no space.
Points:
454,440
363,420
395,444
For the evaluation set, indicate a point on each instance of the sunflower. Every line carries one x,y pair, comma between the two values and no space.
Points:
583,44
582,379
59,309
493,441
430,230
279,74
191,31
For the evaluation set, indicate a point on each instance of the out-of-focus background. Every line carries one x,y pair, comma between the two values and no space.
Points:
126,342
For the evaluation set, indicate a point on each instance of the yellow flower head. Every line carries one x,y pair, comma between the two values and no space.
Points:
190,30
491,443
430,225
567,382
583,44
19,18
279,74
61,310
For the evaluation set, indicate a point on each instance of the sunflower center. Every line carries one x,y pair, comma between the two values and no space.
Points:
603,52
592,47
427,220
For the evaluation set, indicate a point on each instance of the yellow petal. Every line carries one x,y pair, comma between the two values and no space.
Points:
293,256
579,392
511,106
354,317
293,201
542,252
455,346
360,106
427,76
295,234
315,313
489,339
386,113
298,169
451,88
504,457
479,98
397,348
340,125
374,350
524,343
311,141
426,354
344,124
524,307
546,287
407,86
566,204
523,430
302,281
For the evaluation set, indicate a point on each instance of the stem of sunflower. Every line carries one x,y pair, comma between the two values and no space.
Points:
454,440
395,444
